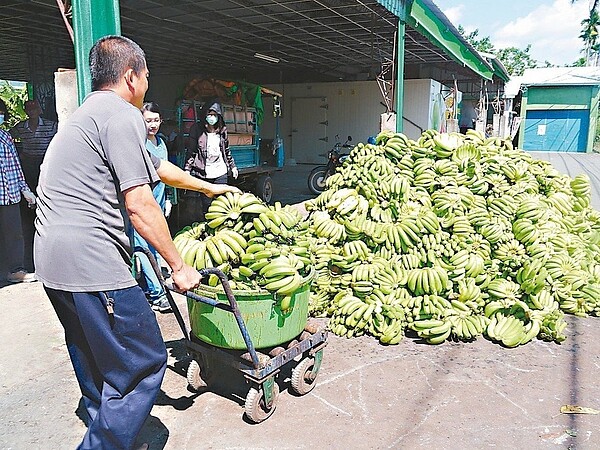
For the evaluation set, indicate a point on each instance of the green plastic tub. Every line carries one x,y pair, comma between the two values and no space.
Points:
267,325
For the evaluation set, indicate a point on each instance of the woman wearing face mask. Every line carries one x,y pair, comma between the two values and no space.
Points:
210,157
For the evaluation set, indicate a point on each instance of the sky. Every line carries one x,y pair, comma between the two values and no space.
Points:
551,27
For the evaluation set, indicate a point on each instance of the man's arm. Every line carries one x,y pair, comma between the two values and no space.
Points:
148,220
173,176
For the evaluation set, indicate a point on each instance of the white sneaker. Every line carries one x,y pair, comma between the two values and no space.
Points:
21,276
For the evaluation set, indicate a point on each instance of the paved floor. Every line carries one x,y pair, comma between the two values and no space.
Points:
453,396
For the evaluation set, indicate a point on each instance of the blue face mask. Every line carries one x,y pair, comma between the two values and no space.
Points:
1,119
211,120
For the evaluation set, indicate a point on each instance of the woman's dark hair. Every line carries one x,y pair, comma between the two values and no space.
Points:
4,108
111,57
151,107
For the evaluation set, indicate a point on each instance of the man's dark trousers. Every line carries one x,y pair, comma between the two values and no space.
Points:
119,360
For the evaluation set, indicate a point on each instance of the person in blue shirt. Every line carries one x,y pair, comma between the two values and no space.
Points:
156,145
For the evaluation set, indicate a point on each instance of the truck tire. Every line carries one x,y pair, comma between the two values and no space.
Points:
264,188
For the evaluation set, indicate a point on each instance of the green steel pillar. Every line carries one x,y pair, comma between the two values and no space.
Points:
400,75
402,9
92,19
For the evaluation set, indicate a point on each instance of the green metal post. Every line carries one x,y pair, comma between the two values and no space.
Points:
92,19
400,75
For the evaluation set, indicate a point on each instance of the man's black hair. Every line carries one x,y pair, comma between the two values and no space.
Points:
111,57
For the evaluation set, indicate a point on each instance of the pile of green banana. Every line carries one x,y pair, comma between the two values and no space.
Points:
257,246
452,236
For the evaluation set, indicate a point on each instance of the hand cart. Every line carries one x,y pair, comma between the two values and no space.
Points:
260,369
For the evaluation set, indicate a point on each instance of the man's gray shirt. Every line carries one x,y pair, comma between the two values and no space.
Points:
81,242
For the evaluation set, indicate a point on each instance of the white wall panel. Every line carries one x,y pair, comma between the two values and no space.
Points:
353,109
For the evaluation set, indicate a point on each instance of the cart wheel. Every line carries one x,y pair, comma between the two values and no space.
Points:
303,378
264,188
194,376
255,407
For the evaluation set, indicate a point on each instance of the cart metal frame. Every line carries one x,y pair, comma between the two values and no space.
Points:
259,369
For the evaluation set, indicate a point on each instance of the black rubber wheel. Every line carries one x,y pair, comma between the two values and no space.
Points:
303,378
264,188
255,407
316,179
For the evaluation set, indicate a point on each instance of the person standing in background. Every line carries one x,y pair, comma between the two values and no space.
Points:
157,147
33,136
12,187
209,157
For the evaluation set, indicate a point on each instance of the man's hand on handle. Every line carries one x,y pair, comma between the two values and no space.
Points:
186,278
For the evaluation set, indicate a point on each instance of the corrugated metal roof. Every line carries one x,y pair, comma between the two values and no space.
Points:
553,76
561,76
315,40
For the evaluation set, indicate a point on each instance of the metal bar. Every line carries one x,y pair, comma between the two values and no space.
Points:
234,309
63,13
167,290
317,340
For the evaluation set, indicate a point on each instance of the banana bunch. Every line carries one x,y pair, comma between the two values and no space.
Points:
466,152
280,275
434,331
532,276
327,228
225,246
319,302
400,235
231,206
505,290
503,206
396,146
525,231
510,331
581,186
511,254
355,249
427,280
388,330
469,293
430,306
467,327
578,304
471,231
446,144
351,315
552,327
532,209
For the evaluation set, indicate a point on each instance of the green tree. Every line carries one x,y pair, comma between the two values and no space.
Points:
481,45
517,60
14,99
514,59
589,35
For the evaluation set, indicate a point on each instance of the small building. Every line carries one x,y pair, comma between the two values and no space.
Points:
558,108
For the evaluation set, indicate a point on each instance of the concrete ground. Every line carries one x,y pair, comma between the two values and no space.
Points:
452,396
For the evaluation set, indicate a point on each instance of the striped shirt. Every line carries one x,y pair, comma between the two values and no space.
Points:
34,143
12,181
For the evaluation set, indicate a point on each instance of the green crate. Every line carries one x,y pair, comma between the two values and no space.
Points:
267,325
